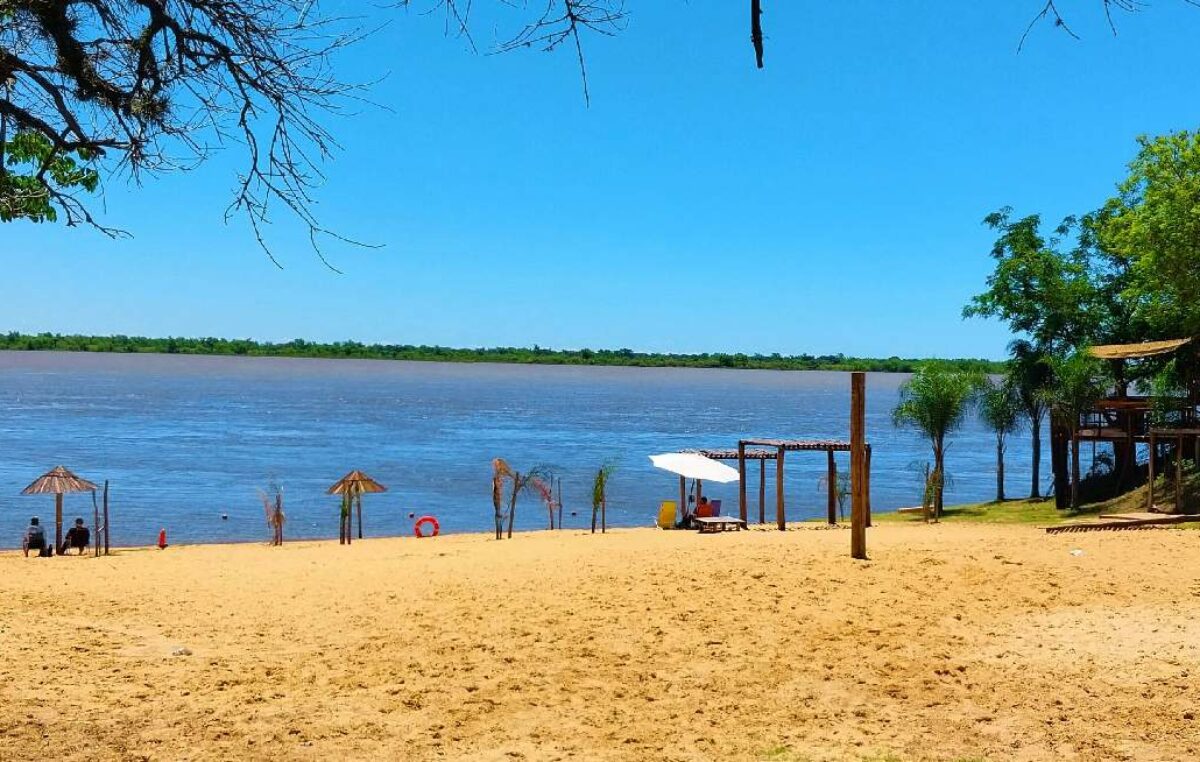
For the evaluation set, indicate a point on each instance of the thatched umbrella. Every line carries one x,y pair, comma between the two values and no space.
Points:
351,487
58,481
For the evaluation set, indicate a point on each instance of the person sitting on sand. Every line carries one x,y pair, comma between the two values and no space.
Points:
35,538
78,536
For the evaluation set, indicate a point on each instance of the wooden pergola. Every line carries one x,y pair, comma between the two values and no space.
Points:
763,450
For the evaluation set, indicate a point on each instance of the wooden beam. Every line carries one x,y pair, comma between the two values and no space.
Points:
1150,490
762,491
831,477
779,507
858,457
742,480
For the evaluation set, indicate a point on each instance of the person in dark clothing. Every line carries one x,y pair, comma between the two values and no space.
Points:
35,538
78,536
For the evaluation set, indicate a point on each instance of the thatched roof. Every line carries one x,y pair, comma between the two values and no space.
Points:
56,481
1136,351
356,482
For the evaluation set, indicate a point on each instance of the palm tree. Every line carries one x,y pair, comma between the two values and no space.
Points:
1000,408
1078,383
1030,374
600,496
935,400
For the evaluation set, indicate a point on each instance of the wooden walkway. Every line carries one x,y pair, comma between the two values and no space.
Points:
1120,521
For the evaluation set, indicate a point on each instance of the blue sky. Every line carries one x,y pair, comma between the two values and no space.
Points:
829,203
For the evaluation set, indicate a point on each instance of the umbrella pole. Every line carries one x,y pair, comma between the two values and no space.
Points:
358,500
682,498
58,501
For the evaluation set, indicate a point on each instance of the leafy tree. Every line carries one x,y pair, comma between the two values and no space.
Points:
1153,224
1029,374
1078,382
1001,409
935,401
148,86
1037,289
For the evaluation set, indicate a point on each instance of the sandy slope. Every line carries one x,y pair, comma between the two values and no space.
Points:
953,642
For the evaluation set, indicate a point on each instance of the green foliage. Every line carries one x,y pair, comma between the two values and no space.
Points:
1079,381
936,399
999,406
1037,289
28,155
1154,223
600,484
520,355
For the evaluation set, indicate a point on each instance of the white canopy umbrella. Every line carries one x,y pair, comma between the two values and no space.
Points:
693,465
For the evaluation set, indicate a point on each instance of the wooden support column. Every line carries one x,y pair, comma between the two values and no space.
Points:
107,533
58,505
762,491
742,481
831,476
1178,472
858,457
867,483
682,499
779,512
1150,486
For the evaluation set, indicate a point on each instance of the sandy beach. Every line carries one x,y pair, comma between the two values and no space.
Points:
954,642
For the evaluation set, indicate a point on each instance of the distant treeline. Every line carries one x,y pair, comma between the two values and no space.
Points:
521,355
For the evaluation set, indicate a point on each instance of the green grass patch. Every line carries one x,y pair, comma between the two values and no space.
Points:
1039,512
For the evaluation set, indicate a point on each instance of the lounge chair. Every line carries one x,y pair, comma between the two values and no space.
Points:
666,514
716,507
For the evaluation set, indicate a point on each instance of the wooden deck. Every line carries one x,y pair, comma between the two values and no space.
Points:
1120,521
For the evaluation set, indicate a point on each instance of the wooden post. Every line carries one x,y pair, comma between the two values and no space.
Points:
58,502
867,484
858,457
95,526
1178,473
831,476
358,501
682,499
762,491
107,532
779,507
742,481
1150,486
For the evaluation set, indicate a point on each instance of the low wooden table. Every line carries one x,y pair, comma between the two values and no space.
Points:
709,524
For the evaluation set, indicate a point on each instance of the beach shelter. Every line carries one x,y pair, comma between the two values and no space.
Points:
351,487
693,465
58,481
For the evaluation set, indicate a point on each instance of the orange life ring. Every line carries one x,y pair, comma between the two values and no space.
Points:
427,520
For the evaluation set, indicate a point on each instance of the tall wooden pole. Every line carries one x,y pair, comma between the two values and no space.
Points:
831,477
95,525
1178,473
358,500
58,501
683,511
858,458
762,491
867,483
1150,484
107,533
742,481
779,507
